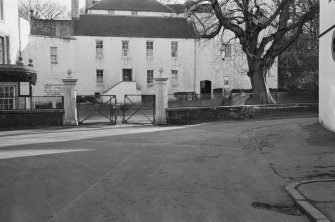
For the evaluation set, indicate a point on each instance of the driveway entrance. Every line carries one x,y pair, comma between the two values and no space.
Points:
97,109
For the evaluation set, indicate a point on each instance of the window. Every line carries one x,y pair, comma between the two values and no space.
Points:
190,96
100,76
133,13
2,50
174,49
99,48
111,12
1,10
125,48
229,14
150,48
226,81
150,76
6,98
53,55
228,50
174,77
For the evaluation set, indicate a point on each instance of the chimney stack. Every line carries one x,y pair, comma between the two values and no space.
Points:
75,9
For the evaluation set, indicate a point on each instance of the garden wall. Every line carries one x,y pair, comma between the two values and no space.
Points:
30,118
190,115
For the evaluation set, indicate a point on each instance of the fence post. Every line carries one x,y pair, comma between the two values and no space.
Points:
70,97
161,98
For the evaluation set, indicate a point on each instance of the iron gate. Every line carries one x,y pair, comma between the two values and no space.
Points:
97,109
139,109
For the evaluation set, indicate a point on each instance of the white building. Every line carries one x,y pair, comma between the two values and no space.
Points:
14,32
327,64
9,31
118,47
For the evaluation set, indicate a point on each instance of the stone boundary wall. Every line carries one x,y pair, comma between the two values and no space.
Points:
30,118
191,115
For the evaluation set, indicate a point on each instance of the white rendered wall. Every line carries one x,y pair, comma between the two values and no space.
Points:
10,27
197,61
112,63
121,89
79,54
38,49
24,33
211,66
327,67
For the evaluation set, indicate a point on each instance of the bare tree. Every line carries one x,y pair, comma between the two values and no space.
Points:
169,1
298,65
264,28
42,9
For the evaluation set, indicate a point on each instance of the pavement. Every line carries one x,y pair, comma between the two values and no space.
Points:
316,198
226,171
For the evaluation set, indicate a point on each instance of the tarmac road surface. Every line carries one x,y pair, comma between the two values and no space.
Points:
227,172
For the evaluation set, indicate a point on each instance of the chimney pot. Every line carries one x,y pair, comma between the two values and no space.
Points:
75,9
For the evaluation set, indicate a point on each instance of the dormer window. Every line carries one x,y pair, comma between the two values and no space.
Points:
134,13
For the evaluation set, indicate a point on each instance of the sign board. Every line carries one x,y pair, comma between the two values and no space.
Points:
24,89
53,89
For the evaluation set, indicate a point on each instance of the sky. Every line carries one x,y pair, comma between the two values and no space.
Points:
67,3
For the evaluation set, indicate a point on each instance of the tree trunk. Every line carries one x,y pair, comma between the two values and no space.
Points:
261,92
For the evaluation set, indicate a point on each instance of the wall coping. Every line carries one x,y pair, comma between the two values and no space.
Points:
279,106
34,111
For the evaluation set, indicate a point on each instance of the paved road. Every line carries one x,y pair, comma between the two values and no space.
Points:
229,171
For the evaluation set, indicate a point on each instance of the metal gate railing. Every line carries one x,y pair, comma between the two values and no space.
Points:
97,109
139,109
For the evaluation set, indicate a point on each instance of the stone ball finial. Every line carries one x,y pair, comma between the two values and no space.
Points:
69,73
30,62
19,60
161,70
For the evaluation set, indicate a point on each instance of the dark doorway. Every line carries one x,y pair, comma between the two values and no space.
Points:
127,75
205,87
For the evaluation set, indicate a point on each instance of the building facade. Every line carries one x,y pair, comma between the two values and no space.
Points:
9,31
14,79
327,64
118,47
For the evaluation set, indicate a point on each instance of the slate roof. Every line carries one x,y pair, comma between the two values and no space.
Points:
134,26
201,8
131,5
